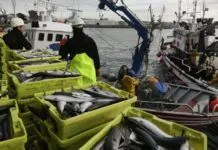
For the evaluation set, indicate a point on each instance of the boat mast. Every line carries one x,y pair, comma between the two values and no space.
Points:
180,11
204,10
194,15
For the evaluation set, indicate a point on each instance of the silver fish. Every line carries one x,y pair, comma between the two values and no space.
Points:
61,105
66,98
84,106
80,94
99,145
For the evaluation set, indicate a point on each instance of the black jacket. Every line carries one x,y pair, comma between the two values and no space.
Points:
80,44
15,40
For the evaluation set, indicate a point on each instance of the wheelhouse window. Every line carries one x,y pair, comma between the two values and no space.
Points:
68,36
59,37
41,36
49,37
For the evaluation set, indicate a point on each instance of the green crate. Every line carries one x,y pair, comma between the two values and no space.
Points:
18,132
73,143
24,103
28,118
14,65
197,140
4,85
28,89
75,125
12,56
35,139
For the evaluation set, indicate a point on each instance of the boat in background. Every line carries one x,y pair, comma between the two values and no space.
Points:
190,55
42,32
186,106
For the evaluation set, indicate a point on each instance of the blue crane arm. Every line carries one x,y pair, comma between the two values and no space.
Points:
142,52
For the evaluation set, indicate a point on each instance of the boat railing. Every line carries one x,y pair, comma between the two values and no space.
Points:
189,68
161,106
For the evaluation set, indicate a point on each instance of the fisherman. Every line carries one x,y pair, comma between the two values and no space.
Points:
84,57
15,39
158,88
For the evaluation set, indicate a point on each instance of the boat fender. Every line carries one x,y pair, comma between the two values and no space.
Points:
213,103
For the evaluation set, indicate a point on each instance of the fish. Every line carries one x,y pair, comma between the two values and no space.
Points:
66,98
166,142
99,105
29,77
55,74
61,105
112,141
81,94
151,126
37,62
117,138
100,93
157,130
76,94
148,141
71,109
84,106
99,145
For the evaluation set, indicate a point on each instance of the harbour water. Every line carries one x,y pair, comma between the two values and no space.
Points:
115,46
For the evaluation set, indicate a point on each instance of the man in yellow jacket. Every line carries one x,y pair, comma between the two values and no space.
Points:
84,57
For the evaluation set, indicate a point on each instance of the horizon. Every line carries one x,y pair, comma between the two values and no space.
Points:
139,7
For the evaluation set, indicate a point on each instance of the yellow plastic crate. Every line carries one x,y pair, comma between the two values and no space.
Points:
12,56
197,140
15,65
72,126
28,89
18,132
55,143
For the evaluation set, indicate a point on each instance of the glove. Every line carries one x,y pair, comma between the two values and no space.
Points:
98,74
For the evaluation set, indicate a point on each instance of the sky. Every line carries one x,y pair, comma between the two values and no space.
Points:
139,7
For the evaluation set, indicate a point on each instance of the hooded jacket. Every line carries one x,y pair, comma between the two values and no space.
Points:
15,40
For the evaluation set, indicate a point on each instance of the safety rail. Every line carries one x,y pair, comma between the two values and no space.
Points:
160,105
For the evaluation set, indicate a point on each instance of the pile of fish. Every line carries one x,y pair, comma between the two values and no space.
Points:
4,124
84,100
36,53
37,62
43,75
135,133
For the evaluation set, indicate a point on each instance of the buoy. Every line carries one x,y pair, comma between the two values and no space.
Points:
213,104
158,54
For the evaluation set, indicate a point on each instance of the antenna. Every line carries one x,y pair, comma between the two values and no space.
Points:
194,14
179,11
14,6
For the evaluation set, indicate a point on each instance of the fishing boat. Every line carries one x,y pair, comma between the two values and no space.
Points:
42,32
184,105
191,55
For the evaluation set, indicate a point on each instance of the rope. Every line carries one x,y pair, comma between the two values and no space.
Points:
112,46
